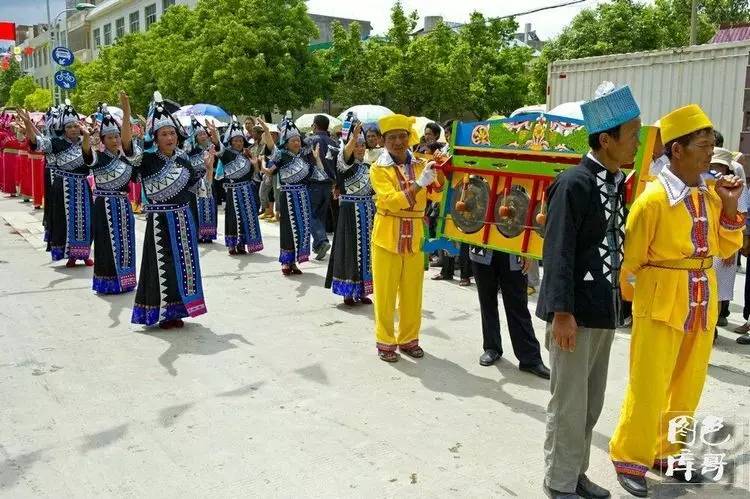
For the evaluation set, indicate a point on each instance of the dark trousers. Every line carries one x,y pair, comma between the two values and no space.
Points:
464,264
724,309
320,202
512,284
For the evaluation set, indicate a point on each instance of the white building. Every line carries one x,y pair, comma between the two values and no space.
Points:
38,63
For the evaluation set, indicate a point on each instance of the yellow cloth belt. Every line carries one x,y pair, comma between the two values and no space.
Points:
684,264
416,214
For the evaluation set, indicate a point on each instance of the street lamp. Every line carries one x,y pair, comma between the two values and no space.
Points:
80,6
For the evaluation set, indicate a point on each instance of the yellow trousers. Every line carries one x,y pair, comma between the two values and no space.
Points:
667,372
395,275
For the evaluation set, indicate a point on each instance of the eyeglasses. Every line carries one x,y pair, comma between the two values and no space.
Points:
396,136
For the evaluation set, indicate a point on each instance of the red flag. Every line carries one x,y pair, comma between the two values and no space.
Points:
7,31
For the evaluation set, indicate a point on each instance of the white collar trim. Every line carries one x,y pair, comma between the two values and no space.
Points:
676,188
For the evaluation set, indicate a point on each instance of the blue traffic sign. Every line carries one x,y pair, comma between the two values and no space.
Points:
62,56
65,79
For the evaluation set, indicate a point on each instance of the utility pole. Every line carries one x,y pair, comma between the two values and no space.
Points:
55,99
694,23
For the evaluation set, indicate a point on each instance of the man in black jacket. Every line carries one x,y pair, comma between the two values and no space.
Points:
321,185
579,296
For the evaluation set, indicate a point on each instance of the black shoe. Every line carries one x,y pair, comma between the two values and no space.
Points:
588,489
744,339
321,252
537,370
722,322
556,494
695,477
489,357
635,485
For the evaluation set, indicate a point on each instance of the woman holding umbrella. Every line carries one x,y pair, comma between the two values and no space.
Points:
170,286
200,151
114,224
241,225
69,220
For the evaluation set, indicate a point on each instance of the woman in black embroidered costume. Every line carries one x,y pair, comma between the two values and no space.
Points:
114,224
295,165
170,285
241,225
51,119
203,205
350,266
69,212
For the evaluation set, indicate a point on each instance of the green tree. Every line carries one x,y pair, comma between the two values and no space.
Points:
39,100
7,78
20,89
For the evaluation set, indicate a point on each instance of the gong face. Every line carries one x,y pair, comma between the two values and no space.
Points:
538,228
511,221
469,204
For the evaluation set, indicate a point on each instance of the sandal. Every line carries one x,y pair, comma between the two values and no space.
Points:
388,356
286,271
295,270
415,353
89,262
241,250
349,301
365,301
178,323
464,282
232,251
70,263
166,325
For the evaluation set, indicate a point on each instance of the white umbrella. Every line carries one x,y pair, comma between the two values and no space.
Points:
568,110
185,120
367,113
305,122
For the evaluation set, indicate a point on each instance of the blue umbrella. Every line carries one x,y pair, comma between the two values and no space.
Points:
209,110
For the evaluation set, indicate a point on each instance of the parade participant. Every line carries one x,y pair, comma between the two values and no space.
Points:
722,163
350,266
69,221
675,228
203,205
114,223
374,148
241,226
320,184
170,286
497,270
294,165
579,296
50,130
258,156
400,183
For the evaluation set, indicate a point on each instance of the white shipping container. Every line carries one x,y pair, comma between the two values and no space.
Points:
715,76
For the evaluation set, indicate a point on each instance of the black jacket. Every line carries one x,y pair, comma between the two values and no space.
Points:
329,150
583,247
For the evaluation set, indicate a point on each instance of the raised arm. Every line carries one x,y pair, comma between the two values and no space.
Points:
126,135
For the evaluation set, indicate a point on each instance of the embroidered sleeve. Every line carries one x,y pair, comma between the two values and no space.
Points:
738,222
43,144
136,154
341,164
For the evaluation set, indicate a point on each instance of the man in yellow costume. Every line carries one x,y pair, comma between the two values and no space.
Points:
401,183
674,229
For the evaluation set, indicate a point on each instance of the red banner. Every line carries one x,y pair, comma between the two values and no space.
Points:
7,31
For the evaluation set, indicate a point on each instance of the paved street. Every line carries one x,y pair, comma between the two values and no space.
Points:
277,391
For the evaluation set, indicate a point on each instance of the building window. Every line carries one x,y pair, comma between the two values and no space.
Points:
46,82
135,22
97,38
165,4
108,34
150,15
120,28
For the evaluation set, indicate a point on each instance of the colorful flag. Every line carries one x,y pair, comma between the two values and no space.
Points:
7,36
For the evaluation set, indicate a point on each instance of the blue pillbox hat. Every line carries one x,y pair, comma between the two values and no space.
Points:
610,107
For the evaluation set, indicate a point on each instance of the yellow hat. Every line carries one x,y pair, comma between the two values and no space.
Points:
399,122
683,121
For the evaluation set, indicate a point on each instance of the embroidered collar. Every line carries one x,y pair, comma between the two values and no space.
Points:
676,188
603,173
386,159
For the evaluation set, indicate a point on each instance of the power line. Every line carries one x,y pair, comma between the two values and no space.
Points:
540,9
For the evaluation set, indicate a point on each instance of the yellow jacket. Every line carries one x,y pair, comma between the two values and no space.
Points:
398,225
677,227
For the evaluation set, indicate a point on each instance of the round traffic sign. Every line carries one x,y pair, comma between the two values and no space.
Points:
65,79
63,56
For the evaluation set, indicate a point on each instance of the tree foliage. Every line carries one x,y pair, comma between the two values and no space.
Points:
20,89
7,78
243,55
39,100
